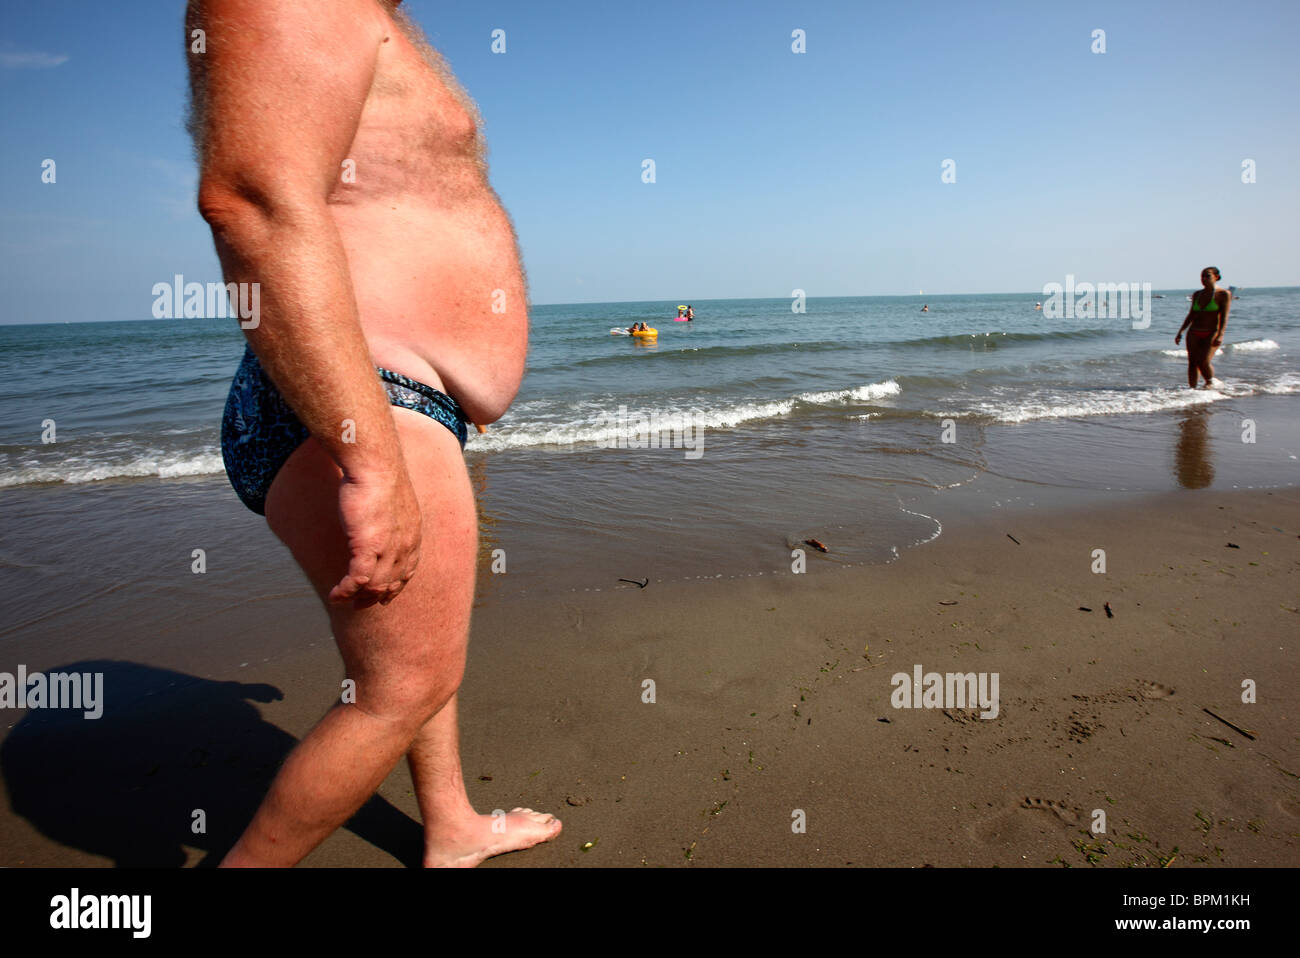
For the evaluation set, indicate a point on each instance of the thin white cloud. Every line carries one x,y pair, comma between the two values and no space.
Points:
32,61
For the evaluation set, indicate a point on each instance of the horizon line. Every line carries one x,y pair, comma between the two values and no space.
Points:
625,302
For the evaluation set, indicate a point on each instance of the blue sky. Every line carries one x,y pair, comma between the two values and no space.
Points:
775,170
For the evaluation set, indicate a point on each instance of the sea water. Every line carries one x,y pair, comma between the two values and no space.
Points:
842,423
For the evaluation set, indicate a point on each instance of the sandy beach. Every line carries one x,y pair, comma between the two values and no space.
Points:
771,698
873,465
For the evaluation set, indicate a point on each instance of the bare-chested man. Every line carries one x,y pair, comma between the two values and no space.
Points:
342,170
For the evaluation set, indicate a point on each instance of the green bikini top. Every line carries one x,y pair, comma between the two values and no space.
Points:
1213,306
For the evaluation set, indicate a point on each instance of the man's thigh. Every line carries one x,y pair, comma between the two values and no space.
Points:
411,652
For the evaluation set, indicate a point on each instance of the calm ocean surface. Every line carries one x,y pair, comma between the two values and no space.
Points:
826,424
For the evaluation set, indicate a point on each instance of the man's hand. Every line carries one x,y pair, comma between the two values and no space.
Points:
381,523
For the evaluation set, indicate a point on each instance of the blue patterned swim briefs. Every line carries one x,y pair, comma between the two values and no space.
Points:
259,431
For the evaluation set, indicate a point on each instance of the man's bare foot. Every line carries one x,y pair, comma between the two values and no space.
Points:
468,843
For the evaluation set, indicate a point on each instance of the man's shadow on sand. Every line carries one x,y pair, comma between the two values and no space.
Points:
126,785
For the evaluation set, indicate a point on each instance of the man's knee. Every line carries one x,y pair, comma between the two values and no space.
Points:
411,703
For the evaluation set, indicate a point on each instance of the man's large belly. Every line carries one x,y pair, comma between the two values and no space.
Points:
440,295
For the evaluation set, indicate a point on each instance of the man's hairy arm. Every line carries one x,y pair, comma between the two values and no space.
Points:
284,83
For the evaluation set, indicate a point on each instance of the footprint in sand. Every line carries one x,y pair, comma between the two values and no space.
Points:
1154,690
1067,815
562,711
574,615
1008,826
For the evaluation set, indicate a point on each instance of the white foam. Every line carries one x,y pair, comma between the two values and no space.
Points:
1250,345
144,466
856,394
1108,402
1254,344
598,422
606,424
1286,383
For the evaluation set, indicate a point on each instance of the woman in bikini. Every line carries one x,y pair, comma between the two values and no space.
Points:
1207,317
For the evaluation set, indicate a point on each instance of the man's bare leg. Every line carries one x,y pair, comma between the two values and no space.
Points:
407,659
454,834
325,779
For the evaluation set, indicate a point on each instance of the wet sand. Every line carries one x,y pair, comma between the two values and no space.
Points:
772,696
